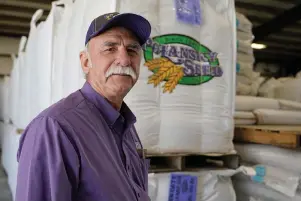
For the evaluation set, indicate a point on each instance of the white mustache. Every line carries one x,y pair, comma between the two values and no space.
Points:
119,70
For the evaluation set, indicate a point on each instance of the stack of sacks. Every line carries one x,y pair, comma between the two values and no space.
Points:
289,90
268,88
199,186
245,106
247,81
266,111
281,177
193,107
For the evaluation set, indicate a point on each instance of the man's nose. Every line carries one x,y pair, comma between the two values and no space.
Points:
123,57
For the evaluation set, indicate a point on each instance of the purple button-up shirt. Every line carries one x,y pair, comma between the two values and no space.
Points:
82,149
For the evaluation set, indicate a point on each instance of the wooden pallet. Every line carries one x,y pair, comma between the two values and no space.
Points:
282,136
191,162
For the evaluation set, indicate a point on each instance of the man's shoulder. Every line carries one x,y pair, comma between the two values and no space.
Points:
65,105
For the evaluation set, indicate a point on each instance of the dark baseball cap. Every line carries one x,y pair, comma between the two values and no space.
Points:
137,24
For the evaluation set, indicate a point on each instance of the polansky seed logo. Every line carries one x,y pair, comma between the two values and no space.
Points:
179,59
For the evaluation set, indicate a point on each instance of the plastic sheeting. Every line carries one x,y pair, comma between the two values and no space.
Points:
211,186
250,191
269,155
277,117
198,117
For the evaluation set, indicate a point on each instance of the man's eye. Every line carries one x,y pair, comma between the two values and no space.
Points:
132,51
110,49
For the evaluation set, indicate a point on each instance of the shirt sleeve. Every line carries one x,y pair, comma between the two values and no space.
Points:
48,163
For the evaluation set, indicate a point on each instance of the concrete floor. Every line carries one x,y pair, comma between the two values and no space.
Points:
5,194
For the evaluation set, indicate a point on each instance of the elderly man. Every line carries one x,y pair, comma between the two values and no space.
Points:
85,147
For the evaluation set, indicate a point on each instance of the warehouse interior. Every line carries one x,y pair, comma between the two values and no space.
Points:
248,119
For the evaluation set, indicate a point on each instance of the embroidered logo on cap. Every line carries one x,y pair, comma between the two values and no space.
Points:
110,16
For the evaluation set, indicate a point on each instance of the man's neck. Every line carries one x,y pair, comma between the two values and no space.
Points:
115,101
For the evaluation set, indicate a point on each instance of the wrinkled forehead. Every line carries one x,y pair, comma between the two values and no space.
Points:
118,33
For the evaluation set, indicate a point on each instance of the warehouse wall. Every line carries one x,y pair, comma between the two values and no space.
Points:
8,46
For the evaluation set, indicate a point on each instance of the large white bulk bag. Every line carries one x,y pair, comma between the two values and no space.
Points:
9,155
75,42
270,155
44,57
207,185
15,74
6,99
19,119
186,112
60,37
31,67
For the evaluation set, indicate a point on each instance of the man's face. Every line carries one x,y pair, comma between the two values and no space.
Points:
114,62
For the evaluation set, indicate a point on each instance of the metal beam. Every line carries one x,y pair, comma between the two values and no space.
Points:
26,4
268,3
15,23
278,23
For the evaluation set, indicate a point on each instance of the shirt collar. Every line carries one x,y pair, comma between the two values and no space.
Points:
106,109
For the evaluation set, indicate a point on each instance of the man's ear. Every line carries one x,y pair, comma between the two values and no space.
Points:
84,60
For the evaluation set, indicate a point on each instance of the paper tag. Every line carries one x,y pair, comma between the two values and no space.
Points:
182,187
188,11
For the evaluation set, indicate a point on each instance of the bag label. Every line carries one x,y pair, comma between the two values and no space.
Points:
182,187
188,11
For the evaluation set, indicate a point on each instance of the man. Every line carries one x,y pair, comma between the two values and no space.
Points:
85,147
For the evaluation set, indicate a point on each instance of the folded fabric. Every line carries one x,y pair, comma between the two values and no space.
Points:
277,117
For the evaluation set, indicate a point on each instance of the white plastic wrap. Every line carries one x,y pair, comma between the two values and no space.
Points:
243,89
247,37
211,186
269,155
277,117
245,58
198,117
250,191
248,103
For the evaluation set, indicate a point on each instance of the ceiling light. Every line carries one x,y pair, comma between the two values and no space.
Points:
258,46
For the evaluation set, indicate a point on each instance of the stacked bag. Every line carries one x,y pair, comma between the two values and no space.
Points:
266,111
247,81
280,179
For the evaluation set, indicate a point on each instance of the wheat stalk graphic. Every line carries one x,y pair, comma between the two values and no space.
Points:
165,70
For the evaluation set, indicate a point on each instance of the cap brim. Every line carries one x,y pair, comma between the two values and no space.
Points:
137,24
